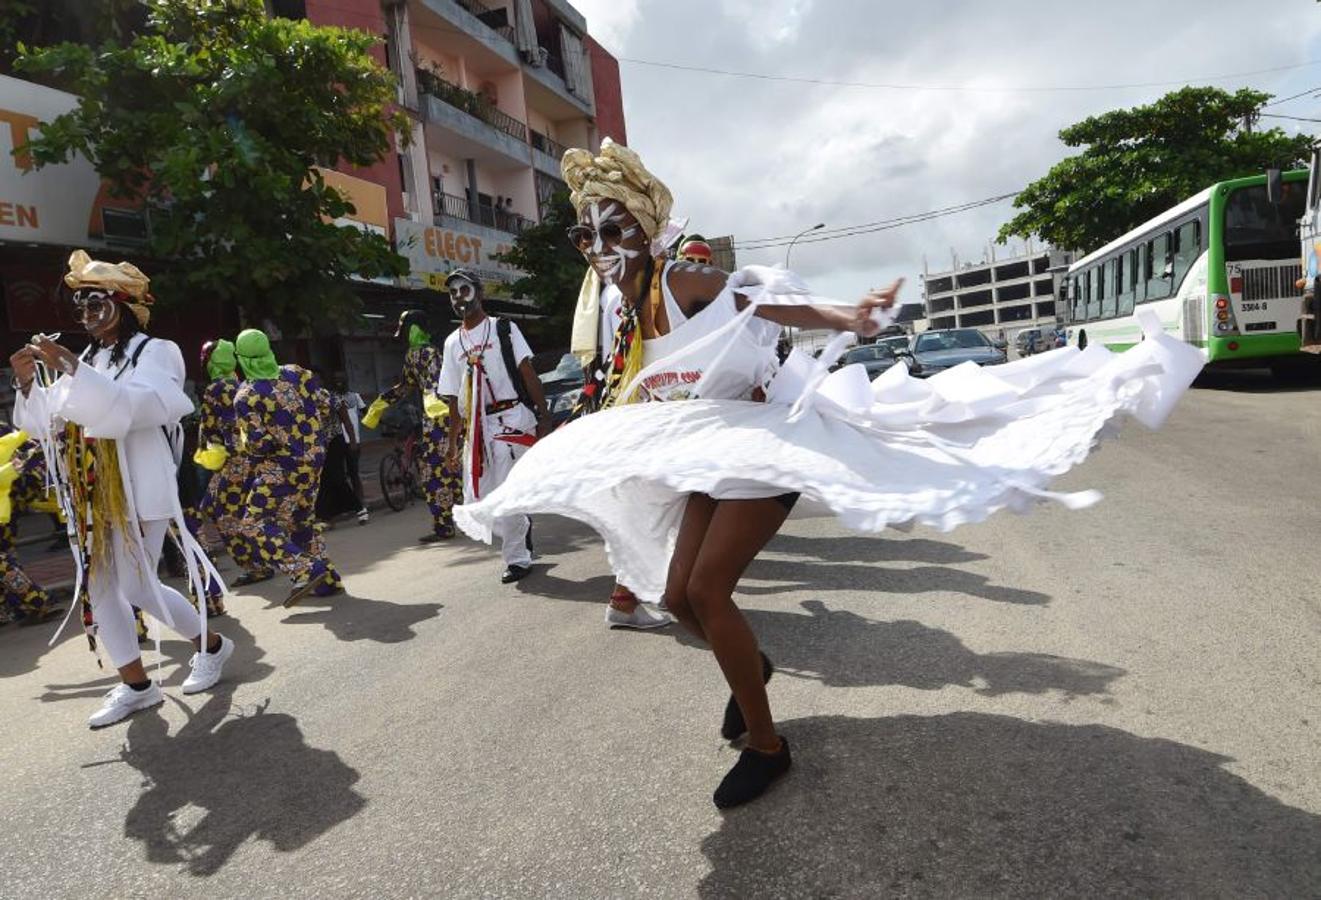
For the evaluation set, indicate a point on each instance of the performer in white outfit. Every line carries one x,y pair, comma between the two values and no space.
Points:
486,374
713,478
109,425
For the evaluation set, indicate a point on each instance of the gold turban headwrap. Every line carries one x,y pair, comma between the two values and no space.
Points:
618,174
122,278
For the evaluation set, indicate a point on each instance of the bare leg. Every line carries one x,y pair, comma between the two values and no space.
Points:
692,531
736,533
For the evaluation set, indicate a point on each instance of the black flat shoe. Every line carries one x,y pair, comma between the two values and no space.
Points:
751,776
733,726
514,573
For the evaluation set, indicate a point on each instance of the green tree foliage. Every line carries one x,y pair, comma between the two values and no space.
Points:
1139,162
554,268
217,116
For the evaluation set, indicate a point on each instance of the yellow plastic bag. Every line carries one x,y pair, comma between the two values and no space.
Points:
9,445
372,417
434,407
212,458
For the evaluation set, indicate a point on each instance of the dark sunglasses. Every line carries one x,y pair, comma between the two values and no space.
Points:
584,236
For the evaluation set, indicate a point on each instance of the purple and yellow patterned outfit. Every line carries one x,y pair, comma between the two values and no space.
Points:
21,598
443,484
226,493
283,420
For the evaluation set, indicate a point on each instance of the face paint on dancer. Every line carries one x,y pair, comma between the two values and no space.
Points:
465,295
96,310
611,240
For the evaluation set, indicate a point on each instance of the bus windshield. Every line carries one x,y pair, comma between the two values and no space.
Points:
1257,229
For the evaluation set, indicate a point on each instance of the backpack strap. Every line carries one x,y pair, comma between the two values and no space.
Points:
503,333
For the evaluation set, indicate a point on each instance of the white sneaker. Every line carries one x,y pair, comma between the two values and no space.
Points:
363,516
206,667
641,618
122,701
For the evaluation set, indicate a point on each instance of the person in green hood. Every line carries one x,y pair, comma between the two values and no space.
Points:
442,481
219,451
284,415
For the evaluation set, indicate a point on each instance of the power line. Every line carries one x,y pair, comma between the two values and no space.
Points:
1312,90
896,86
847,228
886,226
1294,118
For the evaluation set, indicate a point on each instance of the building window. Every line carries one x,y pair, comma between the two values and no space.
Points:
288,9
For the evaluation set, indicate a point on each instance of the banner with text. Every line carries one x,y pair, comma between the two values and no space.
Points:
434,251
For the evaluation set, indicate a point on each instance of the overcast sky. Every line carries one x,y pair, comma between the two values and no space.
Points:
759,159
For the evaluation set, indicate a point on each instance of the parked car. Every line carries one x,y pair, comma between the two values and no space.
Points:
938,350
563,385
1030,341
875,358
897,342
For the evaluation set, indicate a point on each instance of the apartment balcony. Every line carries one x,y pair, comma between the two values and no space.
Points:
466,115
454,207
491,27
547,154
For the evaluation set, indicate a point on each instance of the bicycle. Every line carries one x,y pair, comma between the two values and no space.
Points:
401,482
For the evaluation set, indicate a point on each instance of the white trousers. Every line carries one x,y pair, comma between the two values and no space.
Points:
512,530
123,583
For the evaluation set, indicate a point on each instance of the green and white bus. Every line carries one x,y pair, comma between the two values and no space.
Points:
1218,270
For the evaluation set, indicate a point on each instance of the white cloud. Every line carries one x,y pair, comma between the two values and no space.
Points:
609,21
759,158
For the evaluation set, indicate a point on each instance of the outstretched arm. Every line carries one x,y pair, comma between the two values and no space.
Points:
695,286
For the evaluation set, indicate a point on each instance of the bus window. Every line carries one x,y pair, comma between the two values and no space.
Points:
1159,267
1094,293
1124,277
1108,292
1141,271
1077,307
1187,247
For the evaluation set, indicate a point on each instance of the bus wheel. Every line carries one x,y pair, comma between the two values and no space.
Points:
1082,340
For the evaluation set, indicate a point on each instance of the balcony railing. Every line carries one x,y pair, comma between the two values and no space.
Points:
473,104
548,145
487,16
501,219
555,64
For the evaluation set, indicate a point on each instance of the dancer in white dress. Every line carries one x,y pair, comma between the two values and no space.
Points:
713,478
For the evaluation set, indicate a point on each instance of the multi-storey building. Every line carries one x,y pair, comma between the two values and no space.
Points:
1010,294
496,91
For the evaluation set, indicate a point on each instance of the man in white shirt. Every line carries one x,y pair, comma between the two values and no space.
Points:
487,371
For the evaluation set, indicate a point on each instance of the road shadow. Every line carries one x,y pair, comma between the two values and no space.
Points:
542,584
246,665
857,548
23,646
801,575
843,649
969,804
351,618
227,777
1258,381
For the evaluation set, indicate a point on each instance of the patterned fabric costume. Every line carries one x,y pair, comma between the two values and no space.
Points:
21,598
443,484
283,420
225,494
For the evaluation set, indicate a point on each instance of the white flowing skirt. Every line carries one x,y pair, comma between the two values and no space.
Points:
899,451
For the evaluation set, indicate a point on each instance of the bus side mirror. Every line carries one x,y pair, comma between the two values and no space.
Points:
1274,187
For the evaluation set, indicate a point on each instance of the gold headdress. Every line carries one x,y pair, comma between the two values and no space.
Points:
618,174
122,278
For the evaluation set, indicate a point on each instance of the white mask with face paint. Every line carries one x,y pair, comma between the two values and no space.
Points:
610,260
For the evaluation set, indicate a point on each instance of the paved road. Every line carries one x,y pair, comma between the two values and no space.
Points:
1121,701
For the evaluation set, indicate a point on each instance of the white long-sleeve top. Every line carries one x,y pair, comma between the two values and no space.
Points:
132,404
